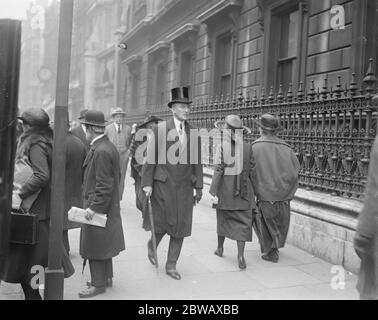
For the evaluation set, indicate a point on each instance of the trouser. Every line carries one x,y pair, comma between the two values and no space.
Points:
123,162
271,224
174,250
66,241
101,271
30,293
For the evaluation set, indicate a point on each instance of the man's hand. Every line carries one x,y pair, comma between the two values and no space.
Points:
147,191
90,214
214,199
198,196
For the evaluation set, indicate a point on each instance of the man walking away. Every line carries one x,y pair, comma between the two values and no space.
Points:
277,169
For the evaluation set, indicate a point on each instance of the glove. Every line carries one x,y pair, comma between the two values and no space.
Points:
198,196
147,191
214,199
16,200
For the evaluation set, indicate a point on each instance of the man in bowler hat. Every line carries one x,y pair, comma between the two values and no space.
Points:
276,182
101,196
171,185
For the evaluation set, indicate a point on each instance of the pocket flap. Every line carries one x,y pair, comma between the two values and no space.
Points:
160,177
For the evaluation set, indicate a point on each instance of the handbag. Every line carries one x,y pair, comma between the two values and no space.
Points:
23,228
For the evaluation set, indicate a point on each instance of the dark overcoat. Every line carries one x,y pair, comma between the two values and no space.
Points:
73,196
79,132
36,147
277,169
234,191
366,237
172,183
101,194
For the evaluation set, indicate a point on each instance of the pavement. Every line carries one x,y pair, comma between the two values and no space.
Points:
205,276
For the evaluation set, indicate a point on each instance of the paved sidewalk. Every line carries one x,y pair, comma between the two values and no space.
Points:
298,275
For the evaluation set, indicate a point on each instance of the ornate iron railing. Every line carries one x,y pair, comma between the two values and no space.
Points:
330,129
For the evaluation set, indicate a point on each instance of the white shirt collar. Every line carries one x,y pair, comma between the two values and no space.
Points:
97,138
177,123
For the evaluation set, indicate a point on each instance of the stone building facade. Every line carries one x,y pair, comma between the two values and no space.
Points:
216,47
94,54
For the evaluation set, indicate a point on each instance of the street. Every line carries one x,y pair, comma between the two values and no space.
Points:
298,275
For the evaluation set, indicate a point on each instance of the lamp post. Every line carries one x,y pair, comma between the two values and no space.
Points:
10,39
54,287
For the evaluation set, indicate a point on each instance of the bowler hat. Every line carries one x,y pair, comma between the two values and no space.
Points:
94,118
233,121
149,120
35,117
268,122
82,114
179,95
116,111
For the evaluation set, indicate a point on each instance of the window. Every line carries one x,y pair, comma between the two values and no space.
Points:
287,59
161,81
186,70
223,65
284,56
135,90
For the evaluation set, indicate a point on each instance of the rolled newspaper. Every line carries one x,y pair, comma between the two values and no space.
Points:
79,215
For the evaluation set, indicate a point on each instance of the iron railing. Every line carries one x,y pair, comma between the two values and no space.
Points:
330,129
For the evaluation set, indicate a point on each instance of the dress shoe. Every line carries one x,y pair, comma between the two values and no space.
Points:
241,263
91,292
109,283
150,253
174,274
271,256
219,252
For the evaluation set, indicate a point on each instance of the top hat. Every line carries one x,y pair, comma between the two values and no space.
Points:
268,122
179,95
118,110
149,120
232,121
94,118
82,114
35,117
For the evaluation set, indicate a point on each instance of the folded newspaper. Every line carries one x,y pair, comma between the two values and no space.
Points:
79,215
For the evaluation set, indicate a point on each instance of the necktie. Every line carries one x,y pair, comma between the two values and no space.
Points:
119,128
181,129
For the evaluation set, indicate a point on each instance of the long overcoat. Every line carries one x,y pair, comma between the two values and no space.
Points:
366,237
173,183
73,192
234,191
101,194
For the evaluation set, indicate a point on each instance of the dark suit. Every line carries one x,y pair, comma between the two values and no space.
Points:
172,186
73,197
101,194
79,132
122,141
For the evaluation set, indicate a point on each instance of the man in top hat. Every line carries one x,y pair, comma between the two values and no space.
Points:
101,195
277,169
79,131
120,135
137,159
171,184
